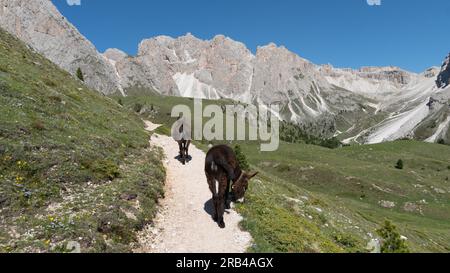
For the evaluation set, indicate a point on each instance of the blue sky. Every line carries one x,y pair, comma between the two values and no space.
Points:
412,34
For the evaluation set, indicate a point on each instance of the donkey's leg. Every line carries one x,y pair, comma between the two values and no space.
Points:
227,195
188,143
183,153
211,183
220,211
180,146
215,215
221,201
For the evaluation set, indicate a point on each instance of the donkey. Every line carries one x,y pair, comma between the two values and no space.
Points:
181,132
222,168
184,144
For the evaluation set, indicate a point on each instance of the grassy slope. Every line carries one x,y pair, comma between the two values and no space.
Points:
312,199
69,160
349,184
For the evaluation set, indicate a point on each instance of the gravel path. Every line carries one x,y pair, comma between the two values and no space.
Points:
184,222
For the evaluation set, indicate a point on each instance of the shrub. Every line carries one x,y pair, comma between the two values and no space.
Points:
106,169
3,69
391,239
49,82
38,125
399,164
242,159
284,168
137,107
55,98
80,75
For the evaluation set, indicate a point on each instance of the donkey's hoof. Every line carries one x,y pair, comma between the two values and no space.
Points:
222,225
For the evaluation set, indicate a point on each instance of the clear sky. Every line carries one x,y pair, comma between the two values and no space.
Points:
412,34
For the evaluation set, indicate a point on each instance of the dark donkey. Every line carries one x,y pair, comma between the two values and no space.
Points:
222,168
182,134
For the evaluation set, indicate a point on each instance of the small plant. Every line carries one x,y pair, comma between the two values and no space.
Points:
49,82
392,242
3,69
399,165
106,169
56,99
242,159
120,102
80,75
38,125
137,107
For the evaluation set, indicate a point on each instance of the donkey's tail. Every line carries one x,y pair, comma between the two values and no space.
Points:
227,167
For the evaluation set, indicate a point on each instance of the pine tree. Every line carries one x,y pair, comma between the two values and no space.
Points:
399,164
80,75
391,239
242,159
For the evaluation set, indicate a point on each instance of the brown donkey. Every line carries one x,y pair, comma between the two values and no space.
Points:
222,168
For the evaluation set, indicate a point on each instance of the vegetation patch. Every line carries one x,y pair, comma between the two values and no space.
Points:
68,157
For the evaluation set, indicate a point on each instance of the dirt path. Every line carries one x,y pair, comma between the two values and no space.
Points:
184,223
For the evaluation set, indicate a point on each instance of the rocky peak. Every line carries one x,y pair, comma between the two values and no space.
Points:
443,79
115,54
431,72
39,24
395,76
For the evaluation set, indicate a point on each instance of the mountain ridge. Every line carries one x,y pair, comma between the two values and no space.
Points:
360,105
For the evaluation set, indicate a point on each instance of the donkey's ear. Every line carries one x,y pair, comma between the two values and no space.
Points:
253,175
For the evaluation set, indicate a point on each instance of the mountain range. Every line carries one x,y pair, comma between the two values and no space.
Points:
368,105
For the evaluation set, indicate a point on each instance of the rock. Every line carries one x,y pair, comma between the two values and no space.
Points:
374,246
412,207
128,197
387,204
443,78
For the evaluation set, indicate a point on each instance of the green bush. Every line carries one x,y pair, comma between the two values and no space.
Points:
80,75
399,164
106,169
391,239
137,107
242,159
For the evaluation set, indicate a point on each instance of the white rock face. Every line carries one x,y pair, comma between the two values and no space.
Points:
39,24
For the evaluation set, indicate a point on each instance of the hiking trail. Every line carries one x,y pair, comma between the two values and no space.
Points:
184,222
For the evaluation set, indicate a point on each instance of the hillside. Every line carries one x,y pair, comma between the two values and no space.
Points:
75,166
313,199
349,192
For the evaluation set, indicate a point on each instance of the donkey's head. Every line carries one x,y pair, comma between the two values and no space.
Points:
241,185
